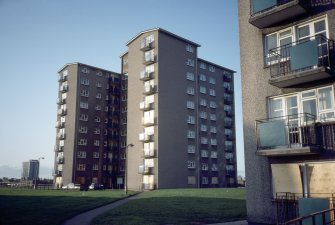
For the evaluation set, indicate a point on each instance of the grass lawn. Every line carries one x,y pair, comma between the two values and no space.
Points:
179,206
41,207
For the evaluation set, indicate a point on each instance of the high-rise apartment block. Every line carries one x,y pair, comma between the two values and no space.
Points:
175,119
287,65
30,170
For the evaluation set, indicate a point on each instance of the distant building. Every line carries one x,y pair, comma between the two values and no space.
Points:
30,170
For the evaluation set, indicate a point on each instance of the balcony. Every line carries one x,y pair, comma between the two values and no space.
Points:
146,137
149,59
228,123
60,148
145,45
61,112
149,121
58,173
287,135
265,13
149,153
301,62
145,170
230,172
61,136
61,101
148,186
230,160
63,88
228,148
60,160
149,90
62,78
59,124
228,100
146,106
229,90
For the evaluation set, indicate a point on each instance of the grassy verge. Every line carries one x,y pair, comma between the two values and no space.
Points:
40,207
179,206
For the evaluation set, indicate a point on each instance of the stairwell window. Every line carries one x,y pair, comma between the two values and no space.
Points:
190,62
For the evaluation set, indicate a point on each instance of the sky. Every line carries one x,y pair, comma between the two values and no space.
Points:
38,37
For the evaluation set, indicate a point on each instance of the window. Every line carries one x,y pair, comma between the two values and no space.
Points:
318,102
83,117
214,154
212,117
275,42
204,180
190,76
203,128
212,92
96,130
82,142
203,102
190,119
191,180
204,166
97,119
149,56
202,77
189,48
214,167
84,93
107,98
83,105
106,108
213,130
98,107
96,143
84,81
215,180
213,141
81,167
226,85
96,155
98,84
190,149
227,108
83,130
99,73
212,104
95,167
98,96
203,115
228,132
204,153
106,120
81,154
211,68
202,65
203,90
190,90
212,80
85,70
190,134
190,104
191,164
204,140
190,62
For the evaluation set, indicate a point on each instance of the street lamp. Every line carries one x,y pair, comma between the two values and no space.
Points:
38,171
125,168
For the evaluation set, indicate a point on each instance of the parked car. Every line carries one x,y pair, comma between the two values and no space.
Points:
71,186
95,186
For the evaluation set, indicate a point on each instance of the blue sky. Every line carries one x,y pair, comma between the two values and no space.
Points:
38,37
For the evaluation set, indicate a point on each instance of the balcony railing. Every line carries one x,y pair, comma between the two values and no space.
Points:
148,186
61,112
287,135
300,62
148,121
149,59
58,173
145,170
149,153
150,89
59,124
146,75
60,160
145,45
146,137
264,13
64,88
146,106
62,78
228,123
61,136
61,101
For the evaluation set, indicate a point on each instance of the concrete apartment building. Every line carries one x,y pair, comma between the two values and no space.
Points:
180,115
287,65
30,170
88,127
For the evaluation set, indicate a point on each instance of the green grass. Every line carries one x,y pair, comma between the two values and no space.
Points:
179,206
40,207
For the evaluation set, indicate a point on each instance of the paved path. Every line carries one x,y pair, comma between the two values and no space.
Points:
87,217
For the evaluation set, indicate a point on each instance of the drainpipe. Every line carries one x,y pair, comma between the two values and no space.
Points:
303,176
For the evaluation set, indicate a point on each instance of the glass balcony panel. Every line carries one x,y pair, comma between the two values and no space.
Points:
304,55
261,5
272,134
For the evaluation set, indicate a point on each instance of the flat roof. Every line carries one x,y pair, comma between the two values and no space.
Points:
216,65
78,63
164,31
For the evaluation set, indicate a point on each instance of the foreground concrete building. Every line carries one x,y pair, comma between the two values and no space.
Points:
180,115
287,65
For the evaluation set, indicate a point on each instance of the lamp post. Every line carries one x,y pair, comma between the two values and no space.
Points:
125,168
38,172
